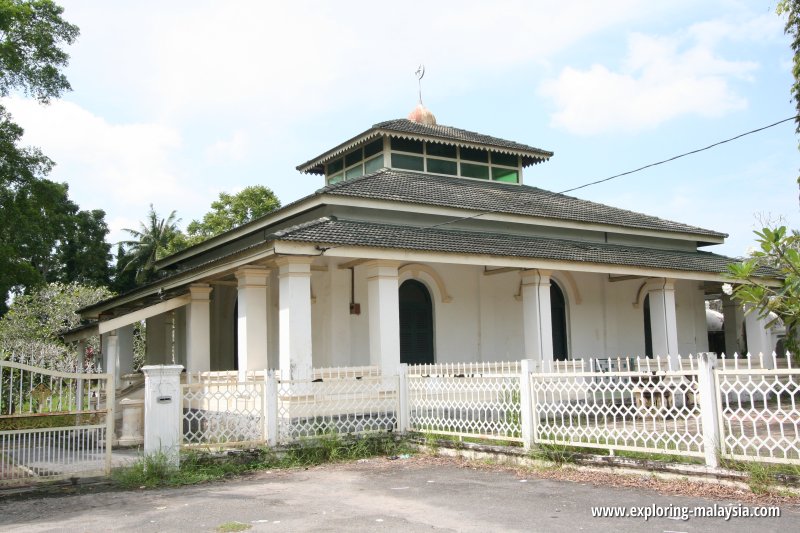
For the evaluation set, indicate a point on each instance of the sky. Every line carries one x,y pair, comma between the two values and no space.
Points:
175,102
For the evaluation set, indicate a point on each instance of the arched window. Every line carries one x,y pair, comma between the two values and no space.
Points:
416,323
558,317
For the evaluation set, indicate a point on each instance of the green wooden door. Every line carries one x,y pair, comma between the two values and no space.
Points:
416,324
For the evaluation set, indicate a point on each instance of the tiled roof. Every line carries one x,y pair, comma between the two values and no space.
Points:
332,231
497,197
446,134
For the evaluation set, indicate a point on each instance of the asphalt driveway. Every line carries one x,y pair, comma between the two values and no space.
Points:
416,494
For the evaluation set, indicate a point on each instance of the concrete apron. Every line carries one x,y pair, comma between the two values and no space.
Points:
509,456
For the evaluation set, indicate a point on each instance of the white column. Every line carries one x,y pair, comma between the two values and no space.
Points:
198,329
251,322
109,346
156,340
383,299
759,338
162,411
294,303
124,362
339,312
537,321
734,317
664,321
117,346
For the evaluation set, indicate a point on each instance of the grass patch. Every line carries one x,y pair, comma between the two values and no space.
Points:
761,477
50,421
229,527
198,467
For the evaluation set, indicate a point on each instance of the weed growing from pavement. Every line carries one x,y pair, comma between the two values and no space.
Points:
196,467
230,527
761,477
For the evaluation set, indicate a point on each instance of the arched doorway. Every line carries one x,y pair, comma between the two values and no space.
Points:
416,323
648,331
558,317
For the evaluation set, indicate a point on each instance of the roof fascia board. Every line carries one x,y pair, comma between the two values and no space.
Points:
372,133
142,314
391,205
358,252
199,273
275,217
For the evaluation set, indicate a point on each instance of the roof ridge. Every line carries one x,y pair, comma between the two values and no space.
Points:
303,225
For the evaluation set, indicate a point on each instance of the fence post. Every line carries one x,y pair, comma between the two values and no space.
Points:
708,407
403,414
528,426
163,406
271,408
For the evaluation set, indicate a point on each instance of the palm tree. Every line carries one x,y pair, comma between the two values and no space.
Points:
152,241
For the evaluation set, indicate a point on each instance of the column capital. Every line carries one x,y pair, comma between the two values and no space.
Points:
200,291
663,284
536,276
382,268
294,265
252,276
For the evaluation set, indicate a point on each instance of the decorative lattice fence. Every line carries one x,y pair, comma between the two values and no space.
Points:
223,413
336,405
759,409
479,400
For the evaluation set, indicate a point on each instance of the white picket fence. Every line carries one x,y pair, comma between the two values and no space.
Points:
741,407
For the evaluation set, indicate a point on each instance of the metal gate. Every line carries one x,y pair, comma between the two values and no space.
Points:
53,425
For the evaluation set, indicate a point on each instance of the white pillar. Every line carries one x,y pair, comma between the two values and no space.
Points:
707,395
109,347
340,318
198,329
537,321
383,299
124,362
158,343
664,321
163,411
251,322
294,303
759,338
733,318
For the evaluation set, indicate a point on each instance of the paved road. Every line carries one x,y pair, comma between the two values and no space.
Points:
376,495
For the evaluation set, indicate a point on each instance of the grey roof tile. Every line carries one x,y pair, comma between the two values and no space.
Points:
497,197
332,231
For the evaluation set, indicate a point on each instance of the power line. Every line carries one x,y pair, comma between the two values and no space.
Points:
615,176
679,156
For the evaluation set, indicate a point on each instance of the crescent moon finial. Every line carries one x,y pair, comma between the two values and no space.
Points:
420,73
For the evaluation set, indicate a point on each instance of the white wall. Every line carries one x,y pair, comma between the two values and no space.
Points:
482,322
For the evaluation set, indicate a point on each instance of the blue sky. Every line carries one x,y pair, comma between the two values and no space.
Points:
174,102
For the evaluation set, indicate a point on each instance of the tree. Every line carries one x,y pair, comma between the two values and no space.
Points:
31,328
232,210
34,212
152,241
780,252
31,35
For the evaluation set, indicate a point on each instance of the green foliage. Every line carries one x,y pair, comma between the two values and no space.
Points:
32,326
779,250
43,235
197,467
234,526
154,240
791,10
31,35
232,210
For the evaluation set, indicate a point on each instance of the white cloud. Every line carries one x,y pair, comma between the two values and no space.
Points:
121,168
661,78
233,148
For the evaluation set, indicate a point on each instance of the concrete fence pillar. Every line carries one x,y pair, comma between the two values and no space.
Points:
709,415
271,408
527,411
163,411
403,413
